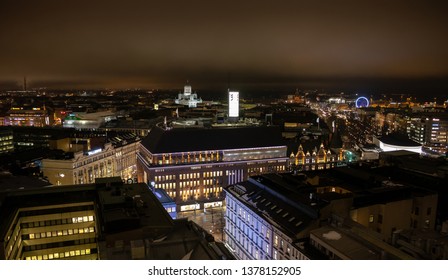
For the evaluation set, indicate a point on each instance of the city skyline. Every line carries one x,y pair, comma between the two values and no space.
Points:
379,46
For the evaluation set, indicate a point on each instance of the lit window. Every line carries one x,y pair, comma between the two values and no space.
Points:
31,235
87,251
371,219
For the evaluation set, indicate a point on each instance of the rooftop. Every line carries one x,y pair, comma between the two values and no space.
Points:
398,140
204,139
130,217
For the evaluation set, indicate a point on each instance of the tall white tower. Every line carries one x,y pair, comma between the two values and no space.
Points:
234,105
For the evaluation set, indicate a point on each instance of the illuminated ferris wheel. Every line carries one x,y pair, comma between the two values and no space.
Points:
362,102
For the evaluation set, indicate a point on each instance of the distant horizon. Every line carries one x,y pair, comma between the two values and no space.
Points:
251,45
414,86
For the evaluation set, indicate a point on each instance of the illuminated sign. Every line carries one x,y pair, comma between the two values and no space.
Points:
190,207
234,102
213,204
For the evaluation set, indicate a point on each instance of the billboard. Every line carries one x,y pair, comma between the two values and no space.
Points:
234,104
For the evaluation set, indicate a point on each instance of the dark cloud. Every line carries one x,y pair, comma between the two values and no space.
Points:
161,44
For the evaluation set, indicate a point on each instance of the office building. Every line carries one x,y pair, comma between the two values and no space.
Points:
105,220
430,130
21,116
193,164
6,142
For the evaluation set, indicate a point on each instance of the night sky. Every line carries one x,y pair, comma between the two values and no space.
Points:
400,44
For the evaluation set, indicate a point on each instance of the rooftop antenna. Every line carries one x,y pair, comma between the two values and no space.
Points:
24,83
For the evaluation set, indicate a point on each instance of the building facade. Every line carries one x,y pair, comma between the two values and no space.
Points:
317,159
431,131
6,141
115,159
50,230
268,217
20,116
106,220
193,164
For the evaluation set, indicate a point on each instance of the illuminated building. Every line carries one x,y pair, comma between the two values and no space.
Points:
26,138
47,224
105,220
167,202
268,217
317,159
234,105
193,164
6,141
390,143
272,216
188,98
20,116
88,120
430,130
114,159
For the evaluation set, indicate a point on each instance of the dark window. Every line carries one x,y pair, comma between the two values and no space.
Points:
428,211
380,219
417,210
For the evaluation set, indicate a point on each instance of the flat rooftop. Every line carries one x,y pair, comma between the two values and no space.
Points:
208,139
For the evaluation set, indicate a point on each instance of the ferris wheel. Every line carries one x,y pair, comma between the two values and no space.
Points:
361,102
